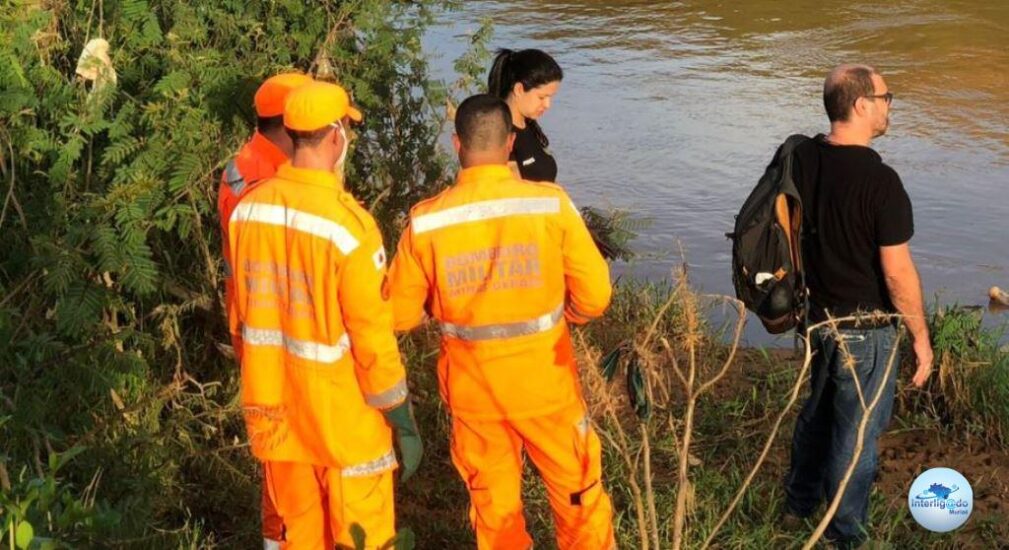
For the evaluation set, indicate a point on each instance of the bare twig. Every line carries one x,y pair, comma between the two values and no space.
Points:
673,361
793,397
859,444
209,258
11,198
20,286
692,338
737,335
660,314
632,481
849,361
5,478
620,442
36,457
646,453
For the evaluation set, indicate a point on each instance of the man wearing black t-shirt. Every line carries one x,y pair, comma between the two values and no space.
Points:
858,222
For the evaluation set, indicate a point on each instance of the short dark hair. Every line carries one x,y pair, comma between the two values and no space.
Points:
483,121
843,87
308,139
533,68
269,123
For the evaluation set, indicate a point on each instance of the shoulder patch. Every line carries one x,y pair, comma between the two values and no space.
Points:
379,258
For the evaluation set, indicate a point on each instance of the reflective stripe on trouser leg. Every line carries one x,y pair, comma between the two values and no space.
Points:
364,502
381,464
488,456
298,492
568,455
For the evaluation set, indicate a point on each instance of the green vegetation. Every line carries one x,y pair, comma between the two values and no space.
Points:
970,398
110,283
118,418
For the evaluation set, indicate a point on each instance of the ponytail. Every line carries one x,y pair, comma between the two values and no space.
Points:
501,79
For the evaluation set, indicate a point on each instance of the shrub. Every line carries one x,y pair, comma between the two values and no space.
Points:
110,317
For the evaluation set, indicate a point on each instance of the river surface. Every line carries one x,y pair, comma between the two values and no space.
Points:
672,109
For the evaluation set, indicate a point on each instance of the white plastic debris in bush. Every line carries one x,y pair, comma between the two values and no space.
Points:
94,65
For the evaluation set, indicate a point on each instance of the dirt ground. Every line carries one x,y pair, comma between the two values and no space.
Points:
904,453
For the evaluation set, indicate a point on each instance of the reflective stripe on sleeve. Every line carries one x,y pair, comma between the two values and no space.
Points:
270,544
484,210
297,220
234,178
389,398
500,331
305,349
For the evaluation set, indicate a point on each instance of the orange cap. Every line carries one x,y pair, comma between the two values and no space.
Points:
317,105
271,94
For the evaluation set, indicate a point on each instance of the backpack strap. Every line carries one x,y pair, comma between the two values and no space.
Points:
812,229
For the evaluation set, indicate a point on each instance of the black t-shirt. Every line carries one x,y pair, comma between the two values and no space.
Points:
532,154
854,204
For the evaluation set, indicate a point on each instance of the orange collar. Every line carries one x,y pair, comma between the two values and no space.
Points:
310,176
265,149
484,172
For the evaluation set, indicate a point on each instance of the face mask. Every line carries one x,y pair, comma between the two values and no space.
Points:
338,167
346,147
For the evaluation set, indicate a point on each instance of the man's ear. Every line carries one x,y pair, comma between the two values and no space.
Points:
456,143
858,108
510,143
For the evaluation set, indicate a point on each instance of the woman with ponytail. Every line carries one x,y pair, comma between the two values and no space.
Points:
527,80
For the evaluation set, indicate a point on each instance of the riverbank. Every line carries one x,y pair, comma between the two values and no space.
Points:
119,417
932,427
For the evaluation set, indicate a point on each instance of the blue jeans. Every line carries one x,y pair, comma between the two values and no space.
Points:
824,441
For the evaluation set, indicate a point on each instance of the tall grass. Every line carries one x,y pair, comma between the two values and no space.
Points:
968,398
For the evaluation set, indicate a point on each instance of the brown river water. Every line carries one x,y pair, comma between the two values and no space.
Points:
672,109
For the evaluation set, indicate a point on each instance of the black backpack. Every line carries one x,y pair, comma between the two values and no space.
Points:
766,247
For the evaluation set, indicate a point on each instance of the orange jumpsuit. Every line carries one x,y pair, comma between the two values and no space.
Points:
255,162
503,265
319,357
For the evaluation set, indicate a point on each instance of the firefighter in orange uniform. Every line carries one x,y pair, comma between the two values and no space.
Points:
504,265
258,159
323,387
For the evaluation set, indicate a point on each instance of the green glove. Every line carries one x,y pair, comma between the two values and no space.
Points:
411,448
636,390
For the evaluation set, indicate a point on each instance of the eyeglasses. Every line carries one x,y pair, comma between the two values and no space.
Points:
887,97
